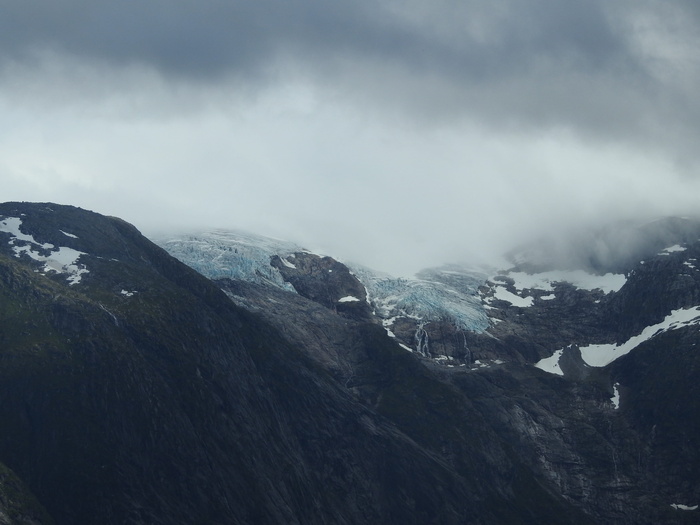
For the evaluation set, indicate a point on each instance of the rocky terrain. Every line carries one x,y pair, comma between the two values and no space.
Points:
282,386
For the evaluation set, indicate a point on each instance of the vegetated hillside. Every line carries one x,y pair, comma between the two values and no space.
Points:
134,390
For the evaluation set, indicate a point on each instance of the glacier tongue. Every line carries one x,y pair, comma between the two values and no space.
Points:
441,294
231,254
434,295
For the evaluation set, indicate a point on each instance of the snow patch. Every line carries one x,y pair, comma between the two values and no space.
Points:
679,506
502,294
672,249
480,364
610,282
68,234
615,399
127,293
287,263
12,225
348,299
59,260
548,297
393,336
551,364
604,354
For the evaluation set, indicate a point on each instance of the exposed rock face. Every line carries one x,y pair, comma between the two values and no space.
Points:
134,390
18,506
325,281
169,404
579,432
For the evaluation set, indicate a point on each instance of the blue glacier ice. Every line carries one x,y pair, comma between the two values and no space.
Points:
448,293
230,254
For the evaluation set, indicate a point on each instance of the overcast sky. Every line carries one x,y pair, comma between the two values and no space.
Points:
395,133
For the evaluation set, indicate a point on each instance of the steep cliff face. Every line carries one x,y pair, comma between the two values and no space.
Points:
326,282
18,506
622,345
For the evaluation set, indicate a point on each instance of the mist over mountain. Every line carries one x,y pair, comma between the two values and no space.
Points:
253,381
613,247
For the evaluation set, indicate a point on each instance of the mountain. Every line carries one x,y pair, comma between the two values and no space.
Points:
262,383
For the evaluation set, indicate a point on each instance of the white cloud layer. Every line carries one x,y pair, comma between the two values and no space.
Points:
396,134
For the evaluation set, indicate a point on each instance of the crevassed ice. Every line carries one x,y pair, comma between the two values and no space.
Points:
238,255
452,301
232,254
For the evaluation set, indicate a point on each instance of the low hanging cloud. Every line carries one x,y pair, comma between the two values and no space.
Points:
397,128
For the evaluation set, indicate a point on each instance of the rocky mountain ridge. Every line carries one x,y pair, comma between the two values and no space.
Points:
544,316
143,392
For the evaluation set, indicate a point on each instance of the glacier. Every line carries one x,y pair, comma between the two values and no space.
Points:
448,293
231,254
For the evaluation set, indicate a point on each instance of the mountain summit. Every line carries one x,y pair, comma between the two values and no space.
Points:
267,384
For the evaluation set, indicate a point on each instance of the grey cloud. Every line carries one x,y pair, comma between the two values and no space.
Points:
186,38
528,64
211,37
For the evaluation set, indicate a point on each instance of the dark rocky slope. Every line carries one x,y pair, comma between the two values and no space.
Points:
172,405
18,506
617,464
134,390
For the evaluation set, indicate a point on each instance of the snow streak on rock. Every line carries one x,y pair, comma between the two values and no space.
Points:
680,506
599,355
